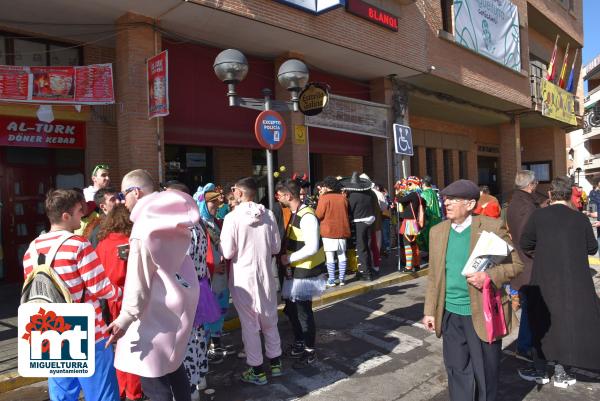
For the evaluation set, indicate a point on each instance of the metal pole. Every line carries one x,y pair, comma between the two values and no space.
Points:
403,166
270,181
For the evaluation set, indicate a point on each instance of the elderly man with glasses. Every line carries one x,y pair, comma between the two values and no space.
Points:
100,179
454,303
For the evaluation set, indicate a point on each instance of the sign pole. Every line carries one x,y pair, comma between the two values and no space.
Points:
270,180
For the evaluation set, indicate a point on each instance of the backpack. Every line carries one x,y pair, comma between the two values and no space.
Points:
43,284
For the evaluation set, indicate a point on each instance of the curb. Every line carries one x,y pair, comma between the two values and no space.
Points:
350,291
12,381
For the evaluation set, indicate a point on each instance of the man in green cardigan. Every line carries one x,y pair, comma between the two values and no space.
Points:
454,303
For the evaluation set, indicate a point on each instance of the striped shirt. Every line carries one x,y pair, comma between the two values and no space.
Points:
80,268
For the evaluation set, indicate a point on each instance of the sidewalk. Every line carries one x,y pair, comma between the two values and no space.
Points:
9,298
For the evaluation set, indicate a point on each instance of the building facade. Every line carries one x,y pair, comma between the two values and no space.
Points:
584,144
385,62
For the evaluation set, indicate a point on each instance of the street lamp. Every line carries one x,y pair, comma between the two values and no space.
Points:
578,171
231,67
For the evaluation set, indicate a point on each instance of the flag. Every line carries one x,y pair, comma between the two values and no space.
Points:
552,66
563,71
571,83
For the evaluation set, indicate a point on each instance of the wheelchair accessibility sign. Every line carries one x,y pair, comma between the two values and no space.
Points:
403,143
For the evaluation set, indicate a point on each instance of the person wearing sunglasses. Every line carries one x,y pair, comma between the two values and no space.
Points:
161,289
100,179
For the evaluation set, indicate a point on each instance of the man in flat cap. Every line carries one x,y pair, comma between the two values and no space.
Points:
454,303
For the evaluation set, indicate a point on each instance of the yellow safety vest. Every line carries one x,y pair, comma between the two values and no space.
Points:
313,265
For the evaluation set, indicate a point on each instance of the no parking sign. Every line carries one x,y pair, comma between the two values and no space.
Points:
270,130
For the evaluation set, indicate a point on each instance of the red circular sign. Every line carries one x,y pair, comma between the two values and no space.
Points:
270,130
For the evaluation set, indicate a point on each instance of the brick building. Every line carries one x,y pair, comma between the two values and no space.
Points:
471,117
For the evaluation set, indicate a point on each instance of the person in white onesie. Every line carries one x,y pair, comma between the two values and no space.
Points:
250,239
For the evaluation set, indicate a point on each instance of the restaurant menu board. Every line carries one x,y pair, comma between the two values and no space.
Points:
91,84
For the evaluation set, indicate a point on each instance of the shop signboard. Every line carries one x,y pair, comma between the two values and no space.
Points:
30,132
352,115
403,143
90,84
300,134
373,14
158,85
313,99
490,28
557,103
270,130
314,6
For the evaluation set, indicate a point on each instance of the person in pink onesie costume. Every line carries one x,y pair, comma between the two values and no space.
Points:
250,238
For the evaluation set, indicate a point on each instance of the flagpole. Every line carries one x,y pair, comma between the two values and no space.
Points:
552,66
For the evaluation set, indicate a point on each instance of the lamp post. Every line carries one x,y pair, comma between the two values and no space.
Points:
231,67
578,171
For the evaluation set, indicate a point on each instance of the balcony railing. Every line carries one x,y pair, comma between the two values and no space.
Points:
592,163
591,122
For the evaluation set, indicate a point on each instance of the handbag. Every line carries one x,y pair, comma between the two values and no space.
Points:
208,310
495,324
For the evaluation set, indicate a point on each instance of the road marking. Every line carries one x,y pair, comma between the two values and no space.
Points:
325,376
374,313
404,343
369,360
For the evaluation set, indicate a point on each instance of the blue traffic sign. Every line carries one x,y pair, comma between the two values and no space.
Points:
270,130
403,143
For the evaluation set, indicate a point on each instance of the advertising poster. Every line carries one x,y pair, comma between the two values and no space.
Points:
490,28
91,84
158,85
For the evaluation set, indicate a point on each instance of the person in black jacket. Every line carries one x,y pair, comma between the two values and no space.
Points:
564,313
521,206
362,216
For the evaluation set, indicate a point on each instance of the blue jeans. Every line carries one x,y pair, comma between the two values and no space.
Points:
524,341
101,386
385,234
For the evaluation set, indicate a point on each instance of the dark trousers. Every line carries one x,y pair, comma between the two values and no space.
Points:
473,366
302,319
363,238
171,387
524,340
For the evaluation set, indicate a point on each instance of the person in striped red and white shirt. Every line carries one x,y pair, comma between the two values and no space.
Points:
80,268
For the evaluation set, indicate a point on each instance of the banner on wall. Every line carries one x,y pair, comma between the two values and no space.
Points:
158,85
490,28
90,84
557,103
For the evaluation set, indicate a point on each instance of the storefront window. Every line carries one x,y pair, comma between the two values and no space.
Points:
34,52
431,164
414,162
2,50
259,172
191,165
448,174
462,164
29,53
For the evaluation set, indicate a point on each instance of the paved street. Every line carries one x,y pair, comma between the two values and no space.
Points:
372,346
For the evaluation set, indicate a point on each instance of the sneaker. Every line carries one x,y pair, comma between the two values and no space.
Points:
342,283
250,376
296,350
214,357
309,358
564,380
532,375
277,369
330,283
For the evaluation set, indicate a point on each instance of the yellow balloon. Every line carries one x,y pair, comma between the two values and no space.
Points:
282,169
276,174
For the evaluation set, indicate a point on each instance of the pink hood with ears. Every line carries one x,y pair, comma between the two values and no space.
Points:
165,218
161,288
